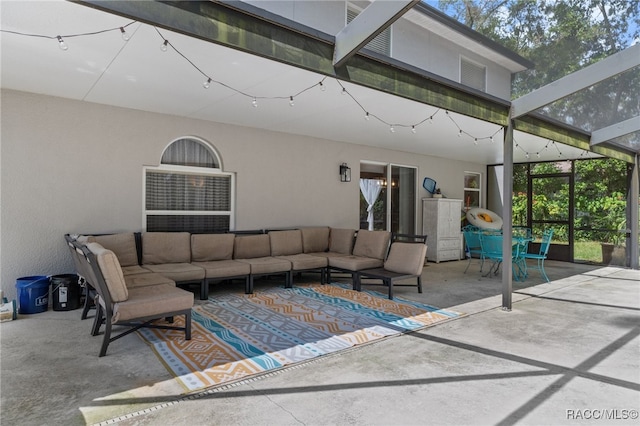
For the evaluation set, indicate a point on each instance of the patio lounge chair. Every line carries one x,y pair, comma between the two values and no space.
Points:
405,261
473,247
135,307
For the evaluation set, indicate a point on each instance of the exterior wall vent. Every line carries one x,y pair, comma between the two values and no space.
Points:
381,43
473,75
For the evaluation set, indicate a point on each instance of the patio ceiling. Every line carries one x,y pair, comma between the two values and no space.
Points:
105,69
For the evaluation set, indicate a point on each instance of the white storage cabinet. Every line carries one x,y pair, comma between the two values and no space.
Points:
441,224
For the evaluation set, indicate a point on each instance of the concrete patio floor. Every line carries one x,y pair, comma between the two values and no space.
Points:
568,353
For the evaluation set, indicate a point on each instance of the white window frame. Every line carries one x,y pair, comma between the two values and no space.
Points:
190,170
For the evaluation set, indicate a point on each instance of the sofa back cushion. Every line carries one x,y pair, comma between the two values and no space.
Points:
111,271
341,240
285,243
209,247
251,246
315,240
166,247
406,258
123,245
373,244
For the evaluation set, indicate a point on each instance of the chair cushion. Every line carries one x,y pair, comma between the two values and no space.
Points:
372,244
111,271
224,268
178,272
301,261
207,247
355,263
123,245
315,239
151,301
147,279
133,270
166,247
251,246
267,265
341,240
406,258
284,243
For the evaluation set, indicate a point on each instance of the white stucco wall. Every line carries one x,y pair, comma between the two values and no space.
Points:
71,167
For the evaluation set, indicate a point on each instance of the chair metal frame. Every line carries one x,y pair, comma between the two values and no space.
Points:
104,309
472,244
389,278
541,256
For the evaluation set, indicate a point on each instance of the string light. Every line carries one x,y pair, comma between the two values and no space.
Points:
125,36
62,44
367,115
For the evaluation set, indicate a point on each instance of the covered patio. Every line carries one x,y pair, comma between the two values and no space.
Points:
568,348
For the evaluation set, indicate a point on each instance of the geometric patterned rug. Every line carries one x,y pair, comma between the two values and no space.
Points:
236,336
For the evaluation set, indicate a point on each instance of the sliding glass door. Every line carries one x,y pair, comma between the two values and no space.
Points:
388,197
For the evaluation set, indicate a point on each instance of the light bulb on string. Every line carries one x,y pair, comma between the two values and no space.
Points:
431,119
207,83
366,116
322,87
392,129
291,101
164,45
413,129
537,155
526,155
61,43
344,91
475,141
125,35
491,139
460,133
254,102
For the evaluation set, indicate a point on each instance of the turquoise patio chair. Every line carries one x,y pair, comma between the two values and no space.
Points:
541,256
473,248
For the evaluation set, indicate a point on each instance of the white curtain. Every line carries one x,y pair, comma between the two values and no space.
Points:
370,190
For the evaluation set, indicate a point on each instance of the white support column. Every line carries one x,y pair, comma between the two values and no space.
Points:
507,212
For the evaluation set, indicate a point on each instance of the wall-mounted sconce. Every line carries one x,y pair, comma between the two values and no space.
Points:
345,173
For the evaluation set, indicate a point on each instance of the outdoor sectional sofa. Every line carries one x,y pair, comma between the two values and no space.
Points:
181,258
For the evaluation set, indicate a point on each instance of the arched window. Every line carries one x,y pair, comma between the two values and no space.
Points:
188,191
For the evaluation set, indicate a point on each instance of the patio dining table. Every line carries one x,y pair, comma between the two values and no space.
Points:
491,246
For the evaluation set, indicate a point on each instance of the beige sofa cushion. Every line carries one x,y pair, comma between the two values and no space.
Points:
111,271
355,263
179,272
373,244
123,245
406,258
267,265
251,246
147,279
150,301
341,240
224,268
303,261
315,239
285,243
208,247
166,247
